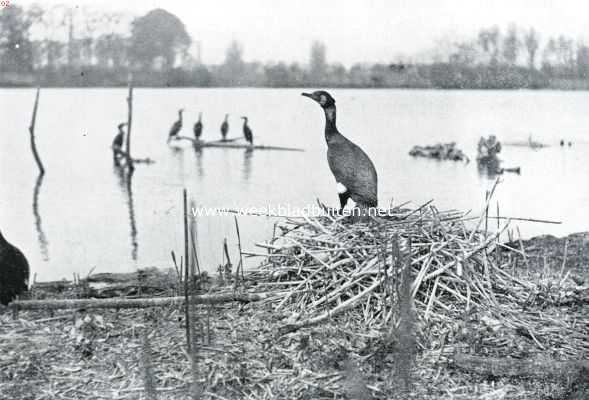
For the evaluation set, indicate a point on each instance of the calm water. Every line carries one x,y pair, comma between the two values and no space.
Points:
87,216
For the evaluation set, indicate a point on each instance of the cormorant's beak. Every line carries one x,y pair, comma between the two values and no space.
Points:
309,95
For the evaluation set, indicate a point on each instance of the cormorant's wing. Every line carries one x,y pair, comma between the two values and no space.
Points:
352,168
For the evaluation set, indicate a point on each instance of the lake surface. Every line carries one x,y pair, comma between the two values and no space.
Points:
87,216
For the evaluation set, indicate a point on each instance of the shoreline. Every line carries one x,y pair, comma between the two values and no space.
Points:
414,305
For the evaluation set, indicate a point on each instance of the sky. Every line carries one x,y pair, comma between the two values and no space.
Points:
353,31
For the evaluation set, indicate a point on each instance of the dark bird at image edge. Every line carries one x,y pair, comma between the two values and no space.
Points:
14,271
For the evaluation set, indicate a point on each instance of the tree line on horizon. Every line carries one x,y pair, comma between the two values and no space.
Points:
77,46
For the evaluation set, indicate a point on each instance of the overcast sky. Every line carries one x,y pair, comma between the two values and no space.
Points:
354,31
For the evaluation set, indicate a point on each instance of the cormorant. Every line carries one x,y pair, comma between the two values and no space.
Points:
354,172
225,127
176,127
117,142
198,127
247,132
14,272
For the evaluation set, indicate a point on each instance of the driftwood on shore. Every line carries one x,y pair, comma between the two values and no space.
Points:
229,144
148,281
135,303
509,367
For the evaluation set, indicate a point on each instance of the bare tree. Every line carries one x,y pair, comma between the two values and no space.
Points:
511,45
583,60
233,69
318,62
464,54
489,40
532,42
566,52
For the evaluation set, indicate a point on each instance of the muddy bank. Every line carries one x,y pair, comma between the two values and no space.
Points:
240,352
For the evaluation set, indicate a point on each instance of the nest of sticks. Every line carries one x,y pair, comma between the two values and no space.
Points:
453,268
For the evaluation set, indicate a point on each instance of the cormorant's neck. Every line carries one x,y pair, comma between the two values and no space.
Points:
330,128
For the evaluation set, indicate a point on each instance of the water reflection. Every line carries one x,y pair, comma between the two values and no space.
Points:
247,164
199,167
488,167
178,154
125,182
43,242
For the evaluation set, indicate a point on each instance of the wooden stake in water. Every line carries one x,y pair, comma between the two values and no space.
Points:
32,133
240,266
186,272
129,123
193,241
228,266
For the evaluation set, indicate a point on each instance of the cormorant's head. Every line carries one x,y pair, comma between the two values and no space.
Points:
180,111
322,97
226,116
244,119
121,125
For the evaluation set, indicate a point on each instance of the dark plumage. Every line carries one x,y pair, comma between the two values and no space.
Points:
14,272
351,167
198,127
247,132
225,127
176,127
118,140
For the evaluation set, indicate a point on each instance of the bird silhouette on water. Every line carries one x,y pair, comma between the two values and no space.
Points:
247,132
198,127
354,172
14,271
225,127
176,127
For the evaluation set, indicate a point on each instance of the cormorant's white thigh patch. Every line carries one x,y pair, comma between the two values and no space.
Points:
341,188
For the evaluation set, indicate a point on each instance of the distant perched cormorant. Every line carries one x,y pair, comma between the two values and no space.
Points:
225,127
247,132
117,142
14,272
198,127
176,127
354,172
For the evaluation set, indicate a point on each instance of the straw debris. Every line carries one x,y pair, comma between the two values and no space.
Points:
415,305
